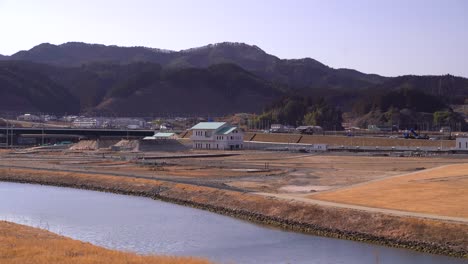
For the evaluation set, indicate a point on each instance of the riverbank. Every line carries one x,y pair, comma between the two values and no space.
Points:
439,237
23,244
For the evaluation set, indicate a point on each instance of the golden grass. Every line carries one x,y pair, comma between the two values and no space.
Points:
440,191
22,245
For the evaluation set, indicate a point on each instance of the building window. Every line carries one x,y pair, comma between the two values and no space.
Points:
459,144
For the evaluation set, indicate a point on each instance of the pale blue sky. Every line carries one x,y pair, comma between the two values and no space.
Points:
388,37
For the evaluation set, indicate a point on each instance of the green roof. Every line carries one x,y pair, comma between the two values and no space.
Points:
159,135
209,125
225,130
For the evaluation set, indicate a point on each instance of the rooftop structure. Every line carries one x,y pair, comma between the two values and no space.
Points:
209,125
161,135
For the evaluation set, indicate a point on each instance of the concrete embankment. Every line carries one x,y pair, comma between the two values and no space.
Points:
447,238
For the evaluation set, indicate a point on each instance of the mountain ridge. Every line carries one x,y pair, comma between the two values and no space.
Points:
292,72
132,89
224,78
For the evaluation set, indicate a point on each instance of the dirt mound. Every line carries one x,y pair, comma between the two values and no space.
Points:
93,144
85,145
129,145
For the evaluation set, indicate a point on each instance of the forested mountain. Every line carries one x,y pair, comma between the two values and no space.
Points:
73,54
406,107
214,79
132,89
447,87
300,73
29,89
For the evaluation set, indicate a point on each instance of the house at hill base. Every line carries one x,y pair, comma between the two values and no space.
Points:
217,135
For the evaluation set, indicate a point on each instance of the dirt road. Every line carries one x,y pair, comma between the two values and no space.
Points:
365,208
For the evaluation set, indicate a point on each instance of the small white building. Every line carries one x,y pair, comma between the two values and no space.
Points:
130,123
29,117
462,143
89,122
217,135
278,128
162,136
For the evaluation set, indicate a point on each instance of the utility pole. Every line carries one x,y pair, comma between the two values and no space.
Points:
6,136
11,133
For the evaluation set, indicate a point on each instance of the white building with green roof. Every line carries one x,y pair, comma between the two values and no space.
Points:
161,136
217,135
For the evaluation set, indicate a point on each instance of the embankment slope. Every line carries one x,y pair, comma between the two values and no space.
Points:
23,244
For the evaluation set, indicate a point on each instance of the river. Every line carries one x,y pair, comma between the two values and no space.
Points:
147,226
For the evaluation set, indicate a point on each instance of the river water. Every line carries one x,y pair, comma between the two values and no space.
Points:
147,226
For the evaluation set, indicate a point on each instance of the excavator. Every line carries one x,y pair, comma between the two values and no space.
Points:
413,135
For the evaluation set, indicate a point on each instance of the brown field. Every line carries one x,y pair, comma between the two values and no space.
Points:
439,191
320,172
22,245
285,172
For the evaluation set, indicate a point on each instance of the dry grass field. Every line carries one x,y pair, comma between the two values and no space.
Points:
23,245
439,191
321,172
257,171
348,141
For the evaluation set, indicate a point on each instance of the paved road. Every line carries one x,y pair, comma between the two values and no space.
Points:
365,208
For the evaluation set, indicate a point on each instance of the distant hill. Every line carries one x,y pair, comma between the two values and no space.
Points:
28,89
133,89
408,106
301,73
73,54
453,90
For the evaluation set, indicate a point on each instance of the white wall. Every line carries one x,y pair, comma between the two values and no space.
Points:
290,146
462,143
222,142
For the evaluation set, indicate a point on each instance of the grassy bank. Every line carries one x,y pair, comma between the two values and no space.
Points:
425,235
22,244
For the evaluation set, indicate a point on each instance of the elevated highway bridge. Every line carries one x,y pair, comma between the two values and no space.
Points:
47,135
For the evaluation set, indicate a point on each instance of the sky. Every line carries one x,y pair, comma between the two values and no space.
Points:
387,37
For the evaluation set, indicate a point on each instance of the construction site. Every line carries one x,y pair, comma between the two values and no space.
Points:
291,172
